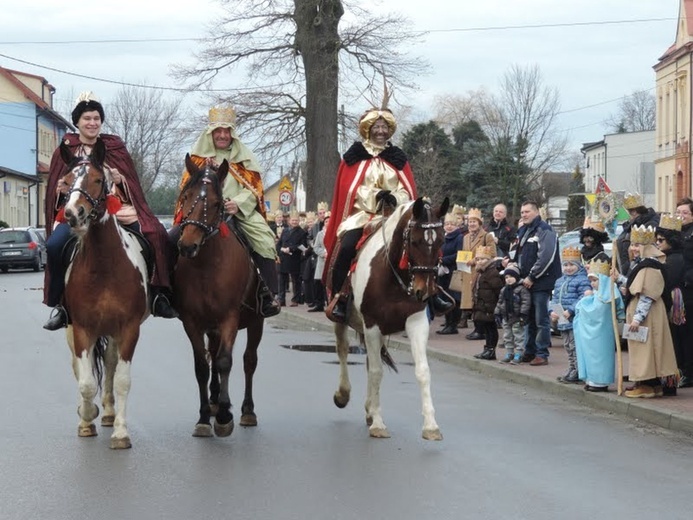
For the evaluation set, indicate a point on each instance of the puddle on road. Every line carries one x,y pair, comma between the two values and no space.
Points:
323,348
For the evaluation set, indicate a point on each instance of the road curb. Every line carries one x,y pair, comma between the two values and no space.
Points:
638,410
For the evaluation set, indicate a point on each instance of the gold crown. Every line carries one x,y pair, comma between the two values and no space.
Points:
322,206
459,210
483,252
633,200
671,222
642,235
571,254
593,224
310,215
222,116
599,267
475,213
278,213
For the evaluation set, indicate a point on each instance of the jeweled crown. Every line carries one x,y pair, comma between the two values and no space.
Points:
599,267
571,254
671,222
633,200
483,252
642,235
475,213
222,116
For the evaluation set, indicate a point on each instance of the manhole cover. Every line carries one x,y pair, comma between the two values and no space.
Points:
323,348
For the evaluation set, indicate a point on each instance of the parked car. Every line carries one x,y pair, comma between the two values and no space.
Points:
21,248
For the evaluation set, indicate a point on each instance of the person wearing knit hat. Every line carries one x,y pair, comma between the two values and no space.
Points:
88,116
512,311
244,197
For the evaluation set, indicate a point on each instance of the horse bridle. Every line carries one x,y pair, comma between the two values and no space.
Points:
81,166
411,269
209,229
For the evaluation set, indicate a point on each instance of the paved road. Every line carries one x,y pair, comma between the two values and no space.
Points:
509,452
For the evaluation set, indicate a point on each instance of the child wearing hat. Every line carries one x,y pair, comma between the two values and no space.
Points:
512,309
567,291
487,286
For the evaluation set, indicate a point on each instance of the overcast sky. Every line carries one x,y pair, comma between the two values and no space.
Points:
589,64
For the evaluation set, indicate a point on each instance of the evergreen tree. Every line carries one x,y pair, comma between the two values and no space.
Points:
576,200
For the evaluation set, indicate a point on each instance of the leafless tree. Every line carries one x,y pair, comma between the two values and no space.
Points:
524,113
452,110
299,60
636,113
154,130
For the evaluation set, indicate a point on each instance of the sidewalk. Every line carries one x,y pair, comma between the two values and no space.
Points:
674,413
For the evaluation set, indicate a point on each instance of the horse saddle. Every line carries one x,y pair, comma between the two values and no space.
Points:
147,252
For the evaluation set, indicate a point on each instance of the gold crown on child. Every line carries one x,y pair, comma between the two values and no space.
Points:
633,200
483,252
599,267
222,116
322,206
642,235
571,254
670,222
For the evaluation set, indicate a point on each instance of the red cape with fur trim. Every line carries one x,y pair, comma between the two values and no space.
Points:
344,199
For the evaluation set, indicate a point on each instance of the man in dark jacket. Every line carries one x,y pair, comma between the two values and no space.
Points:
503,233
540,267
639,215
684,210
290,247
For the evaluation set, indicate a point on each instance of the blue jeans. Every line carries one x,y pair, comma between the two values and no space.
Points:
539,329
56,266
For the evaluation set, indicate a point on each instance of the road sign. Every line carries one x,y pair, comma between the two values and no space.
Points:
285,184
286,198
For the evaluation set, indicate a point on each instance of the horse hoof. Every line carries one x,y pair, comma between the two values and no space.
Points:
432,435
120,443
202,430
213,409
223,430
379,433
87,431
341,400
248,419
107,420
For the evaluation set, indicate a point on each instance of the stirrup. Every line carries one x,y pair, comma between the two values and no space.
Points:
58,319
337,309
162,308
269,306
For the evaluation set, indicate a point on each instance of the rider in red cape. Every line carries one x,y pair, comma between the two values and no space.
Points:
371,173
88,115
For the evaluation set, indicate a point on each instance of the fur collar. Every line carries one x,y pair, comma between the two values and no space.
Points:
392,154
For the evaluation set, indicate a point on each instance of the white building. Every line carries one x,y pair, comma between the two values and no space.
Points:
625,161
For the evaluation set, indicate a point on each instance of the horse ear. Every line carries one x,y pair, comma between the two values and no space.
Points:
190,165
98,152
443,209
222,172
65,153
418,209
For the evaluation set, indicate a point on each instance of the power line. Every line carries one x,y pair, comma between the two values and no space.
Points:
549,25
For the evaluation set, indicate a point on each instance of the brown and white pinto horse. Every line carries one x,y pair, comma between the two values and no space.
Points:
395,274
105,295
215,291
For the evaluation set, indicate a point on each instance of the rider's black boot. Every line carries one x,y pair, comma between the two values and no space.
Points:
58,319
161,306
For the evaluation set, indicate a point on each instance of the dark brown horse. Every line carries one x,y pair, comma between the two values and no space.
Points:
105,295
215,292
395,274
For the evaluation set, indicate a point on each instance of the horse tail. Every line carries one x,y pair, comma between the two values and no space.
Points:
97,360
387,359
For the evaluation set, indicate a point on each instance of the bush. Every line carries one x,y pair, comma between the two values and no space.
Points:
3,224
